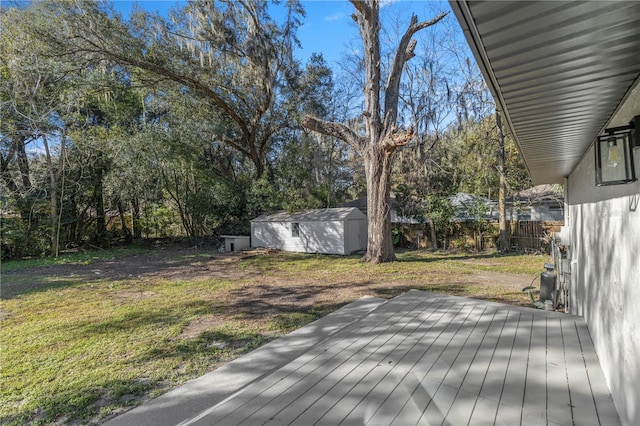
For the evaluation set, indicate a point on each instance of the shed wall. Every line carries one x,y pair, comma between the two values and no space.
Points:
325,237
355,235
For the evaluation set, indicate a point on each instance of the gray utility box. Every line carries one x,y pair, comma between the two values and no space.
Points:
548,284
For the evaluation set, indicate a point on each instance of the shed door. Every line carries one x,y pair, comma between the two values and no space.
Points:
353,236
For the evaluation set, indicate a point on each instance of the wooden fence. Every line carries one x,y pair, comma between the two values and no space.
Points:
533,235
525,236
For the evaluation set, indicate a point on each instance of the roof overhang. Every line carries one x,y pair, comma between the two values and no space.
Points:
558,70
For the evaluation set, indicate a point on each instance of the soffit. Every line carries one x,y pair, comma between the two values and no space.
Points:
557,69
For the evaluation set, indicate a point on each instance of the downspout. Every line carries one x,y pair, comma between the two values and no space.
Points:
567,264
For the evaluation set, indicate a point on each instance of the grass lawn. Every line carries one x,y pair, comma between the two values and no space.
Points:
85,338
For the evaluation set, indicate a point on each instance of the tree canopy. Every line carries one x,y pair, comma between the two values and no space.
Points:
116,128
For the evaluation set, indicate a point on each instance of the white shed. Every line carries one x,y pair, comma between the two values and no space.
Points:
233,243
328,231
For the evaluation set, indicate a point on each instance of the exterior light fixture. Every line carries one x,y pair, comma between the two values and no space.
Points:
614,155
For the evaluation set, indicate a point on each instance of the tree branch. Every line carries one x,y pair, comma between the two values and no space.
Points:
403,54
171,75
336,130
367,18
363,8
397,138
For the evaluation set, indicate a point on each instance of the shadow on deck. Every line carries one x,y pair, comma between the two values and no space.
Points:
420,358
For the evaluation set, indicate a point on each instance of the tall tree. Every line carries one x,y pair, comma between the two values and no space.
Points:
503,241
32,90
230,54
382,134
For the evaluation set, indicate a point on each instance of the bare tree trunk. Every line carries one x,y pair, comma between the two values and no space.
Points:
53,193
17,152
98,202
127,233
434,239
383,137
61,168
503,242
135,218
378,172
425,158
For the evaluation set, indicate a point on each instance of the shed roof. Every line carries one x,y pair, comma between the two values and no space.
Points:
539,194
318,215
558,70
464,200
361,203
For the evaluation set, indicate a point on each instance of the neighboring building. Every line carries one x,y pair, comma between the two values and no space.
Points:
411,228
541,203
464,204
234,243
328,231
538,204
397,217
562,73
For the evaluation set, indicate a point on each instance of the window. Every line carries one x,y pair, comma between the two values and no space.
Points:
295,229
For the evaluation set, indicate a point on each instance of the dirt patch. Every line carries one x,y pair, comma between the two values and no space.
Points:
513,281
200,325
259,292
168,263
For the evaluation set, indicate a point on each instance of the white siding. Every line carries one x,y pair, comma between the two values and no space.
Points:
318,233
235,243
268,234
605,254
353,236
321,237
315,237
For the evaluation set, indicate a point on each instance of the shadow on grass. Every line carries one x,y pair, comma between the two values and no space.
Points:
417,256
403,256
125,268
24,284
450,289
455,289
261,299
82,404
135,372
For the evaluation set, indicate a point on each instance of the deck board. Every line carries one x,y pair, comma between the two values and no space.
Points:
427,359
582,402
308,369
512,395
488,399
558,397
535,391
310,405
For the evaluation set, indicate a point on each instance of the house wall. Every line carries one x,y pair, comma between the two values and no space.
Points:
605,266
538,213
325,237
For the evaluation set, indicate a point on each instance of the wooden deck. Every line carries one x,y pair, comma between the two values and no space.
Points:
427,359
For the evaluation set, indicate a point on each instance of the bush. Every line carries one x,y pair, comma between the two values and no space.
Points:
12,239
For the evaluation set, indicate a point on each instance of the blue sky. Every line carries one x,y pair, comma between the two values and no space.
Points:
328,27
